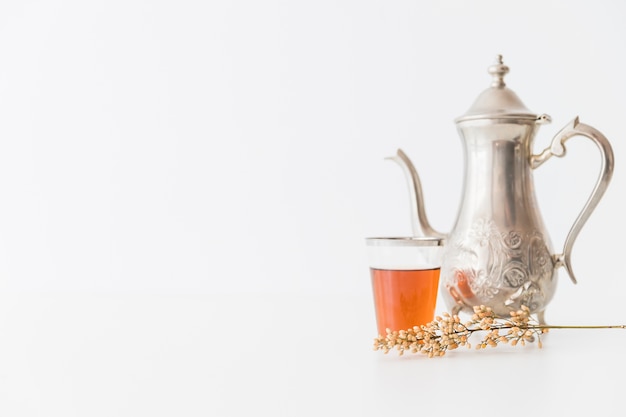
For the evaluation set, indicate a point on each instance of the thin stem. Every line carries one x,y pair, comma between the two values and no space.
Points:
547,326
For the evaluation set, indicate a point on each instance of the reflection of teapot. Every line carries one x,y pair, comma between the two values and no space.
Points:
498,253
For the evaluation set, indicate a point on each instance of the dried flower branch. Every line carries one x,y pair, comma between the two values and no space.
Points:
447,332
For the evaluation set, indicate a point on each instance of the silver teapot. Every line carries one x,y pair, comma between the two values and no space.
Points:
499,253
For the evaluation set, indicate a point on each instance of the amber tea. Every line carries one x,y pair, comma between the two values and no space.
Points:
404,299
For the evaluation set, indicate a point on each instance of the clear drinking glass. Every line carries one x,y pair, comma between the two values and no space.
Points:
405,280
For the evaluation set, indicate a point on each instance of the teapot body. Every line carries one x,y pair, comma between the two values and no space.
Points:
498,253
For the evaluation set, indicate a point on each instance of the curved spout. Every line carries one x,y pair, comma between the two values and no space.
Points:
419,221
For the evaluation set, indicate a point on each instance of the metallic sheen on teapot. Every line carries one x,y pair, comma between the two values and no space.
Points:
499,253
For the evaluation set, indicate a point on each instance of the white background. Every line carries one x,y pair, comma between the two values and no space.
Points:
235,150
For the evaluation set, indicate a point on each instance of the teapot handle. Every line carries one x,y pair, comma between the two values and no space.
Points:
557,148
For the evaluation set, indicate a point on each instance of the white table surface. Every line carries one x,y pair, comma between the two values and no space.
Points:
91,355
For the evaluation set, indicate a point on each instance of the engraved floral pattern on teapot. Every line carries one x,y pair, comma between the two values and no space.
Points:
485,263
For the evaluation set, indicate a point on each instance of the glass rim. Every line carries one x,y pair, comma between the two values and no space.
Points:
405,241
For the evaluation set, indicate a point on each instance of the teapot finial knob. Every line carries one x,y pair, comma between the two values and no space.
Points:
498,71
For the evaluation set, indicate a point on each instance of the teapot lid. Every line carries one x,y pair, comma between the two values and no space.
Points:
498,101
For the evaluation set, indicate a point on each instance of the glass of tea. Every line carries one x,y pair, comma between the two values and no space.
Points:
405,280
